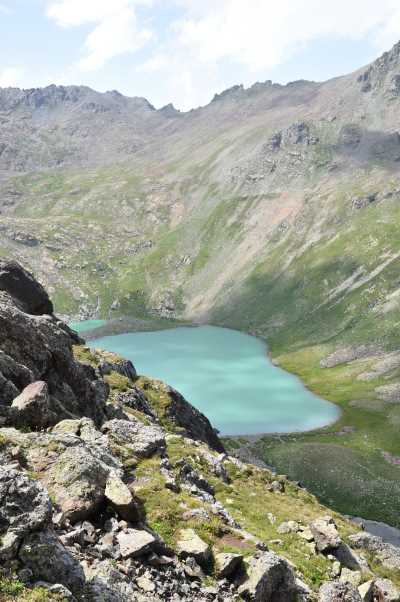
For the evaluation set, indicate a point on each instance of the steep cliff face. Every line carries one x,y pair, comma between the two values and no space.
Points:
119,491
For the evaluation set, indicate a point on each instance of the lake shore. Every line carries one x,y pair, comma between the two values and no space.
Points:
342,463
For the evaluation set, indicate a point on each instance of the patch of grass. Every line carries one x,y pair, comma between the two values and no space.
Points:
12,589
347,470
84,355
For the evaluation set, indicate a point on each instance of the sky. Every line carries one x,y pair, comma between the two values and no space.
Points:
185,51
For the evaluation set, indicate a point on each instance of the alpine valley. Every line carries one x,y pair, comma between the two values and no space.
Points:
274,210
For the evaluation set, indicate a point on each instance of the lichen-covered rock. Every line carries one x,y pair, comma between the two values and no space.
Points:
77,482
137,438
48,559
24,507
325,534
335,591
135,399
270,578
105,583
349,576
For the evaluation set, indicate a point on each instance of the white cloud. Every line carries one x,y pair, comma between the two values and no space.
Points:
11,77
217,43
5,9
115,27
260,34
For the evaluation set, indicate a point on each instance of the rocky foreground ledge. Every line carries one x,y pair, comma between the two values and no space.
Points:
114,488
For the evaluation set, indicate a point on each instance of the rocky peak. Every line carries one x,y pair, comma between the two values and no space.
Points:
230,93
383,74
169,110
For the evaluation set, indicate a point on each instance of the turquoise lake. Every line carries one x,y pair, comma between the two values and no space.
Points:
227,375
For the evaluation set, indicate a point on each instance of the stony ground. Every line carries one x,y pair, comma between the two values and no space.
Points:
114,488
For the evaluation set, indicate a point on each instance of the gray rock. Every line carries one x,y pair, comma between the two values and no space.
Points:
270,578
334,591
111,362
139,439
290,526
325,534
190,544
35,346
227,564
59,590
32,407
121,498
21,285
49,560
348,558
134,543
389,393
277,487
24,507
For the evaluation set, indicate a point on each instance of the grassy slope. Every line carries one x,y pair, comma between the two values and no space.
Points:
259,512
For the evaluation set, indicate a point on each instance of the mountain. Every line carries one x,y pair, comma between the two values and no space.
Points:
274,210
113,488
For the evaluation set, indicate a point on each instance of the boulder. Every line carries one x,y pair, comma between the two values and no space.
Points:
22,286
335,591
49,560
227,564
270,578
77,482
121,498
32,407
134,542
348,558
325,534
137,438
190,544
